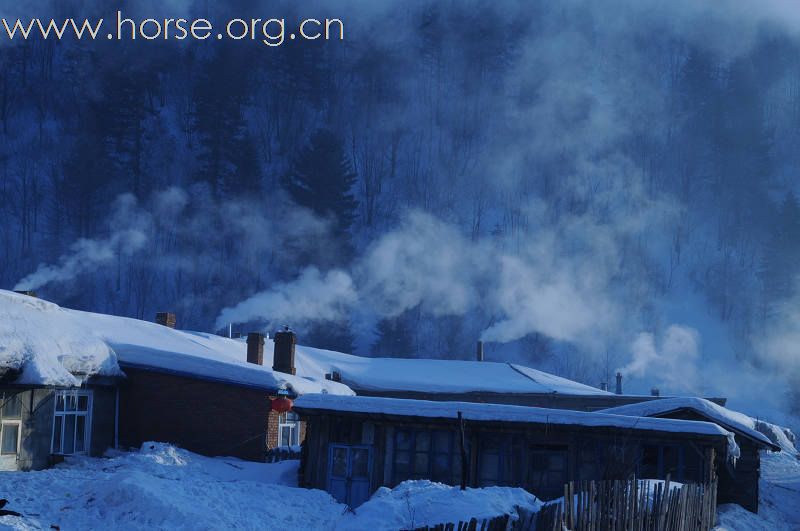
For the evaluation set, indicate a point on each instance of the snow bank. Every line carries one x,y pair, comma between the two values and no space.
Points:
501,412
779,498
434,375
419,503
163,487
723,416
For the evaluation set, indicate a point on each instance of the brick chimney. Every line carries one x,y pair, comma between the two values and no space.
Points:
619,383
655,392
255,348
283,356
479,352
604,386
166,319
26,292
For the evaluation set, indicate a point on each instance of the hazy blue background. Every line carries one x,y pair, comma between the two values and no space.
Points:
589,186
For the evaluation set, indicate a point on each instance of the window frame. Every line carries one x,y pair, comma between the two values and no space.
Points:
18,424
292,425
452,454
63,414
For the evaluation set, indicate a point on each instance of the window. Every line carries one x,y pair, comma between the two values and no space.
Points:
658,461
10,423
499,460
288,429
72,422
548,471
426,454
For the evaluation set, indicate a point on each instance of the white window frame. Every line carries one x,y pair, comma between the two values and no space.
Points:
87,426
292,425
18,424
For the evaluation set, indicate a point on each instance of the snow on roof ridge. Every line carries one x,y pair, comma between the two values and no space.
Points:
502,412
49,343
729,418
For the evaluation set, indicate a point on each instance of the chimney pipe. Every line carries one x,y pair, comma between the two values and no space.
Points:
166,319
255,348
604,386
283,355
619,383
480,351
655,392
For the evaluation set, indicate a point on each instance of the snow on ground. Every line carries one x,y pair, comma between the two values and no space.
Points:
164,487
779,504
419,503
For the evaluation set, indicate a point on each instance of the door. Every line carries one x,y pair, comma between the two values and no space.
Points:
349,471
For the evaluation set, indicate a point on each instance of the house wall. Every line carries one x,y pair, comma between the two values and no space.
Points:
523,441
208,418
36,429
103,414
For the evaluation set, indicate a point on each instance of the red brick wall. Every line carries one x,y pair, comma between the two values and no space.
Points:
208,418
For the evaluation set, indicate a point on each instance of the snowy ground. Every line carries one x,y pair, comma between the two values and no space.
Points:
163,487
779,506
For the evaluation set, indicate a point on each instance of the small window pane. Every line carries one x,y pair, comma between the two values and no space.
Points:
441,441
10,436
441,467
340,462
423,441
83,403
69,435
12,406
57,435
403,440
71,402
402,465
360,465
80,433
59,402
421,464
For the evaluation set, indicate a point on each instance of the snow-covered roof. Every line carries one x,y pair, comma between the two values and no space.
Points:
51,345
727,418
433,375
501,413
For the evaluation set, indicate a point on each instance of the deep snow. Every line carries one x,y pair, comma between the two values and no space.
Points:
163,487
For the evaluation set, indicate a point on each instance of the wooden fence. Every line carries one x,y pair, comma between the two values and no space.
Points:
631,505
627,506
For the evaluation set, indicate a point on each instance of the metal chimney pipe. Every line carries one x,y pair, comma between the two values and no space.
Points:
479,355
619,383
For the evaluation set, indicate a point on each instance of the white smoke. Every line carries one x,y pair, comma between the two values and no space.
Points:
312,297
672,361
129,233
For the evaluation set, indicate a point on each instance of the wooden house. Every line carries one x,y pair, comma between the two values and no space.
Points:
738,480
355,445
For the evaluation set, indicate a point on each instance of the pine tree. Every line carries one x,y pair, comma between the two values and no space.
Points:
227,153
321,179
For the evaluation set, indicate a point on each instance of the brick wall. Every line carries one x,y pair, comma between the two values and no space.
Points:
205,417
